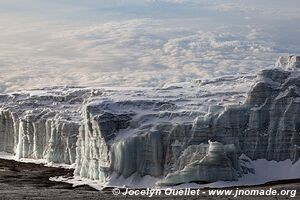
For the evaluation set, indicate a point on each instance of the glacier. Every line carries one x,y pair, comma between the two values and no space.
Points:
201,131
219,163
41,124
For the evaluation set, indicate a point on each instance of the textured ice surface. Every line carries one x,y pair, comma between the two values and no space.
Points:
219,163
288,62
152,130
159,132
145,131
41,124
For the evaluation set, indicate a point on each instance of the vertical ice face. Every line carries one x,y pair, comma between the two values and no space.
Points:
40,137
154,142
273,130
93,156
214,164
225,126
116,137
8,128
265,126
61,146
141,154
41,124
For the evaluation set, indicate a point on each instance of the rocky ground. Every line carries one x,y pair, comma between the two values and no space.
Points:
31,181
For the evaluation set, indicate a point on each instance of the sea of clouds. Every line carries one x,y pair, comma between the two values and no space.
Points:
140,43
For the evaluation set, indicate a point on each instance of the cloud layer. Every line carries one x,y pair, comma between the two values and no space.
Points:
138,50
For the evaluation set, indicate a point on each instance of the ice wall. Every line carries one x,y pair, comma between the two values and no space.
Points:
129,143
161,132
9,126
266,125
219,163
151,140
41,124
93,157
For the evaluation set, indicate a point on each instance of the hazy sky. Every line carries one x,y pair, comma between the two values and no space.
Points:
140,42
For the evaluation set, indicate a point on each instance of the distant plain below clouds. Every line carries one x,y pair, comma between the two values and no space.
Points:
133,48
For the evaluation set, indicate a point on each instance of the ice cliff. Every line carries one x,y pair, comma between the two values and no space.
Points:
203,131
218,163
41,124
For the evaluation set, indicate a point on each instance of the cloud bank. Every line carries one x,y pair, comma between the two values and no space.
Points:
152,47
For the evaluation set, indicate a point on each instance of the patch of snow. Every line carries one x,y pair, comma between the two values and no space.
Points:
265,171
